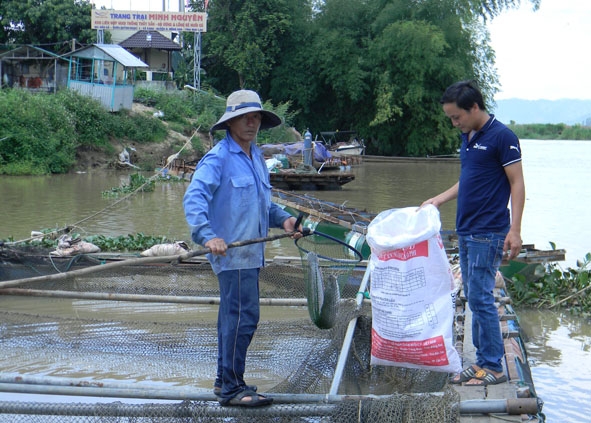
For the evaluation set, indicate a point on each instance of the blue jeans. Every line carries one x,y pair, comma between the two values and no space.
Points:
238,318
480,258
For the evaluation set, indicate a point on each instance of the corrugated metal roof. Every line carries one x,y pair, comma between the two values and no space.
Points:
157,41
122,56
114,51
29,51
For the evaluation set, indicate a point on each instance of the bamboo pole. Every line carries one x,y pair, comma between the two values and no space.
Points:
175,259
18,383
142,297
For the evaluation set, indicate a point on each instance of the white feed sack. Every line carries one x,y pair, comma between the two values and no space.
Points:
412,291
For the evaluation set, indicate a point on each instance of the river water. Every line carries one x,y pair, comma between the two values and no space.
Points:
557,178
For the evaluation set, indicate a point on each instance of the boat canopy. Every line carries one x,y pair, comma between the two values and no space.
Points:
333,137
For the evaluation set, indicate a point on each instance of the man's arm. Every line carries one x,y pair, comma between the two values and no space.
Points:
513,241
444,197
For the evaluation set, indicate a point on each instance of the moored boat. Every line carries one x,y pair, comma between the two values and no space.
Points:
343,143
311,180
300,178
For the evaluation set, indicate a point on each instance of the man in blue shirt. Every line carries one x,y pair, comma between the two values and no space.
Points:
229,200
491,176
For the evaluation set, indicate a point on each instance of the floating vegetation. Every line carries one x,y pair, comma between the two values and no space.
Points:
137,182
555,286
130,242
47,239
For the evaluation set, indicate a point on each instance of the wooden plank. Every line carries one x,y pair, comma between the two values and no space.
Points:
512,352
541,256
500,391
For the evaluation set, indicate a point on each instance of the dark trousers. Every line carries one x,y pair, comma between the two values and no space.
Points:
237,321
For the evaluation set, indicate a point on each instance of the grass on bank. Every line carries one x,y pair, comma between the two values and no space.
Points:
40,133
551,131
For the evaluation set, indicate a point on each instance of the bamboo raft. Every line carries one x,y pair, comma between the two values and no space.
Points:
310,181
289,179
518,393
511,401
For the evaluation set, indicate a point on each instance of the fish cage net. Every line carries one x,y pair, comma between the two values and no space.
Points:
143,338
327,264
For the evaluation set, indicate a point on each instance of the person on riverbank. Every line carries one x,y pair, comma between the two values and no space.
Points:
229,200
491,176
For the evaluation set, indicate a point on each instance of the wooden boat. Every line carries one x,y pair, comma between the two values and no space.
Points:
343,143
311,180
291,156
298,179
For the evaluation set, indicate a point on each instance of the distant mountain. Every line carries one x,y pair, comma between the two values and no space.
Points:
565,111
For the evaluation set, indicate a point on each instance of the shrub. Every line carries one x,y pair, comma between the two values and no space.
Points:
91,120
39,134
142,129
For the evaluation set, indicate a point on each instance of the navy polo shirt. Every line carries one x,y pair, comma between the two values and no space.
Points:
484,189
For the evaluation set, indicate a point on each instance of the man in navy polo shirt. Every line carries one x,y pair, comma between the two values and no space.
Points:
491,176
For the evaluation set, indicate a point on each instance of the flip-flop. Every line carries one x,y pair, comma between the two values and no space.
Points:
256,400
487,378
465,375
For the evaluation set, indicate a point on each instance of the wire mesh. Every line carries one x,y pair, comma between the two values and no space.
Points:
161,335
327,266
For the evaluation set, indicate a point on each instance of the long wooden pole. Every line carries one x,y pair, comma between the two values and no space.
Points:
144,298
136,262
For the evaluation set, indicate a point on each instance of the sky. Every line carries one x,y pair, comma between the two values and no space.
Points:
544,54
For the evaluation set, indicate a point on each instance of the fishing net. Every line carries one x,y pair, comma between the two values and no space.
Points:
138,343
327,264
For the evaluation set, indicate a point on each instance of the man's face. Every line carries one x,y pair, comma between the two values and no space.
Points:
245,128
463,119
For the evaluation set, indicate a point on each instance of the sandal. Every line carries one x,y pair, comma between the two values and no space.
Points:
256,400
488,378
465,375
217,390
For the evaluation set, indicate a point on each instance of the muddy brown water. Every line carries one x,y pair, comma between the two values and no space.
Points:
557,204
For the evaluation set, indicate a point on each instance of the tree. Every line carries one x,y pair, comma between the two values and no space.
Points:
376,66
329,68
380,66
243,40
45,22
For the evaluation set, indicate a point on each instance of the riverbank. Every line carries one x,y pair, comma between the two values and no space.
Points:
144,155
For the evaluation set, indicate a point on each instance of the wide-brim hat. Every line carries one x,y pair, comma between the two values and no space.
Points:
242,102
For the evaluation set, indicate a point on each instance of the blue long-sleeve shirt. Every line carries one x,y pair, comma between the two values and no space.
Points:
229,197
